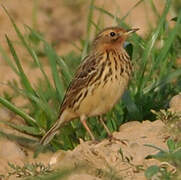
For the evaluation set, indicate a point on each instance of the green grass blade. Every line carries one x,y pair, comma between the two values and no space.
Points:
41,104
27,142
155,147
33,54
64,70
131,9
30,51
22,75
88,28
99,24
105,12
96,26
162,82
169,78
150,45
35,14
8,60
162,61
38,63
28,119
119,20
164,52
44,106
154,8
23,128
53,58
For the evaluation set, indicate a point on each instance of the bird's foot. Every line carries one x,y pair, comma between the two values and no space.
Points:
95,141
123,141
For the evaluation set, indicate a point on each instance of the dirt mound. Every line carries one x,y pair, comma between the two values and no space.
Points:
121,158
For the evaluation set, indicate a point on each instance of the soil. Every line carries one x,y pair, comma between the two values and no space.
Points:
64,22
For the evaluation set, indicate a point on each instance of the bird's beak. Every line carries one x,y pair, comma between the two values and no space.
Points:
130,31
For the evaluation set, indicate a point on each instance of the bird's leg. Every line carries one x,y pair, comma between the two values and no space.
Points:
83,121
101,119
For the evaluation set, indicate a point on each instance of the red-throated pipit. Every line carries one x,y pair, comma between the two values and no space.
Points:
99,82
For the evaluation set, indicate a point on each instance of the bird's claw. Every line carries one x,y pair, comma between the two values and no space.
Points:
123,141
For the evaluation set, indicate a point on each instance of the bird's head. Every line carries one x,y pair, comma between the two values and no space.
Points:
112,37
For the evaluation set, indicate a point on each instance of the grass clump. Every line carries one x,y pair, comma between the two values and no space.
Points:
170,162
172,122
34,169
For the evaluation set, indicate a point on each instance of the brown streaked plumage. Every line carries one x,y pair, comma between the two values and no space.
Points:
99,82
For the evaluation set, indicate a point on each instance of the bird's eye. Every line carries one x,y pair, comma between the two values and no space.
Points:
112,34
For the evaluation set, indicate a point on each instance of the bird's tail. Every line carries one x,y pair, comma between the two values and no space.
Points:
51,133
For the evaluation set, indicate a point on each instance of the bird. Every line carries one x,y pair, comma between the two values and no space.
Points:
99,82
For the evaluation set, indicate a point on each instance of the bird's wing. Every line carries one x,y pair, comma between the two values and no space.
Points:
84,74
